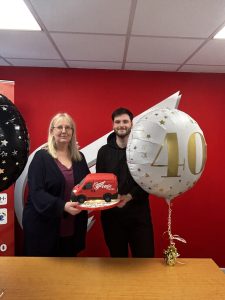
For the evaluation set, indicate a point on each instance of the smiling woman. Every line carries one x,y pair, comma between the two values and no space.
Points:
54,226
62,139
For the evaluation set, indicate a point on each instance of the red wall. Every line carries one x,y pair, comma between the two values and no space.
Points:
91,95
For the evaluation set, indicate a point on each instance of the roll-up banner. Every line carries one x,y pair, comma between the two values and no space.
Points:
6,196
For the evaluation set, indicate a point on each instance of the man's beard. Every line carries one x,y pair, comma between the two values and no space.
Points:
125,133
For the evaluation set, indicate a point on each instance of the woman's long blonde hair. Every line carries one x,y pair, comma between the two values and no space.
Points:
51,145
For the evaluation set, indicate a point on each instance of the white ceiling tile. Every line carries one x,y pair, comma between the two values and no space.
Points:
90,46
93,34
95,16
213,53
202,69
3,62
53,63
160,50
183,18
26,44
151,67
94,65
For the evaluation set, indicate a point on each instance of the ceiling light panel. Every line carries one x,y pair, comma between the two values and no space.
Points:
220,34
15,15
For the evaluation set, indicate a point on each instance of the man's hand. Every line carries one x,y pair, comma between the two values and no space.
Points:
71,208
124,199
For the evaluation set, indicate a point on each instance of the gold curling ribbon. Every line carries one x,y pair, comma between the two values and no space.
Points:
171,254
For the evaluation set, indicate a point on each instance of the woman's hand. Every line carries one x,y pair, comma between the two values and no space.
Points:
71,208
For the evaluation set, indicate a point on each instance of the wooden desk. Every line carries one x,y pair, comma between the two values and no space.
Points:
30,278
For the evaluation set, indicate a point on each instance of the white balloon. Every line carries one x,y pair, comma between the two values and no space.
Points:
166,152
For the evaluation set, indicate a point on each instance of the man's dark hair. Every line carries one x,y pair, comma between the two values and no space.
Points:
121,111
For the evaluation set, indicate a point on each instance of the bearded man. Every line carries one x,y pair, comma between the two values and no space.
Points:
128,227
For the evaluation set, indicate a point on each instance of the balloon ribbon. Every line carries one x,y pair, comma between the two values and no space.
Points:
171,254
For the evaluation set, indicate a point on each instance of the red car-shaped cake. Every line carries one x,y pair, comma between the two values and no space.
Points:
97,186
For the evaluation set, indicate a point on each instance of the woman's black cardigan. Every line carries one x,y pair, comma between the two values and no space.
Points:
45,206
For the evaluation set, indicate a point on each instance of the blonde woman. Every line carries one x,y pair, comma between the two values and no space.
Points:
54,226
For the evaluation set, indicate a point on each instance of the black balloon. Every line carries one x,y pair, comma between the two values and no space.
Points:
14,143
